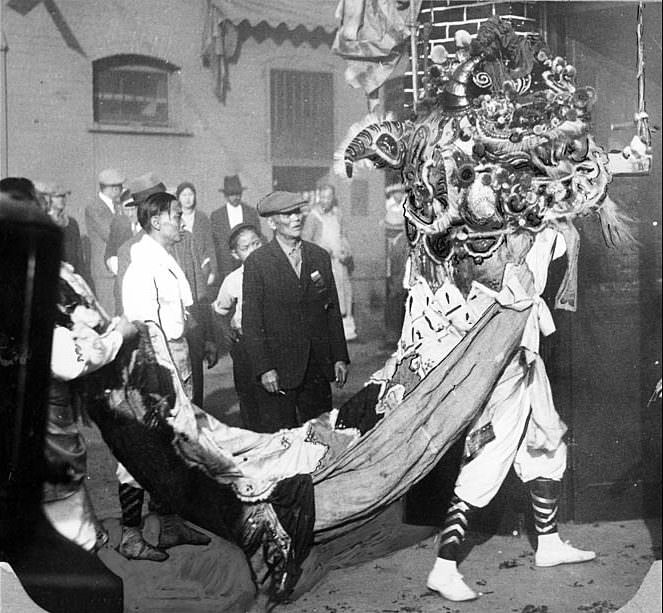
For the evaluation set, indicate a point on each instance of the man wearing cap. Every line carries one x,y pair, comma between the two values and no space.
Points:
291,321
225,218
126,230
98,218
72,247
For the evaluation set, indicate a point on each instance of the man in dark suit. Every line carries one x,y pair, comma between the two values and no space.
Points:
225,218
98,218
291,321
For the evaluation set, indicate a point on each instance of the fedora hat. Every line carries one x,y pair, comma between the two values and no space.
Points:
144,186
232,185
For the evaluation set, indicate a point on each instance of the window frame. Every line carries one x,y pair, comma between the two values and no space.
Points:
135,63
304,158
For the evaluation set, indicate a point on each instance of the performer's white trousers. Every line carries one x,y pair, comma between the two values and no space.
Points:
481,478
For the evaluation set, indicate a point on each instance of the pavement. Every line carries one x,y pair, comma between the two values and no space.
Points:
500,567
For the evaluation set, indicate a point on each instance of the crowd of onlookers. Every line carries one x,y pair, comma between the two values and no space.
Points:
282,308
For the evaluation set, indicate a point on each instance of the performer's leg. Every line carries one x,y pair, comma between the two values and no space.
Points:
132,544
172,528
544,494
542,470
550,549
480,479
445,578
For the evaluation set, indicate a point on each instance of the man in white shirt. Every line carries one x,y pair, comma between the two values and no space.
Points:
155,289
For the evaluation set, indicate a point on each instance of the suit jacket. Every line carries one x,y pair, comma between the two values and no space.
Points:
285,319
203,243
120,231
98,219
72,248
221,233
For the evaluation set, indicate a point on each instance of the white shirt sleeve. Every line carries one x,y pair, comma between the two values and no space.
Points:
225,301
139,296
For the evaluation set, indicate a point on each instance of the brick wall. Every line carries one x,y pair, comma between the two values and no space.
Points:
52,136
446,18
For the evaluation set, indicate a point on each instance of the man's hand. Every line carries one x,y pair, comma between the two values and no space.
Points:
341,372
125,328
270,381
234,334
211,353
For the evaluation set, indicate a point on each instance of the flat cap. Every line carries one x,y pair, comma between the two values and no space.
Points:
110,176
279,202
144,186
59,190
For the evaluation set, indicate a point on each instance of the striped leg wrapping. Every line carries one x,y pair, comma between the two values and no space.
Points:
131,503
544,494
453,531
545,514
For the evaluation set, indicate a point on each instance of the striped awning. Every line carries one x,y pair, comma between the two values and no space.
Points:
311,14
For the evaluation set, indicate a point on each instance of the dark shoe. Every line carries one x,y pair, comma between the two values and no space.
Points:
133,547
174,531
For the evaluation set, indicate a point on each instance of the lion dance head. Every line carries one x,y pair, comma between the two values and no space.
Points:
501,146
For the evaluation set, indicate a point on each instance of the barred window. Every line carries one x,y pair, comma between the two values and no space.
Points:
302,117
132,89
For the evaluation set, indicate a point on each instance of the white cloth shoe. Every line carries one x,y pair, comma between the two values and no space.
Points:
551,551
447,581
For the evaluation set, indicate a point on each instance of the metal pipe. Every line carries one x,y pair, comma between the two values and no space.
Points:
642,119
414,59
4,137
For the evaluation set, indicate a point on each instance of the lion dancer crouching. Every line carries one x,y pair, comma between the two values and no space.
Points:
522,429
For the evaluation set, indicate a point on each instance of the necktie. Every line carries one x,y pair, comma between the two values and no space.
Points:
295,256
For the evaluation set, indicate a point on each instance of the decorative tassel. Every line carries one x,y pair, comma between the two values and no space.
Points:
615,225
